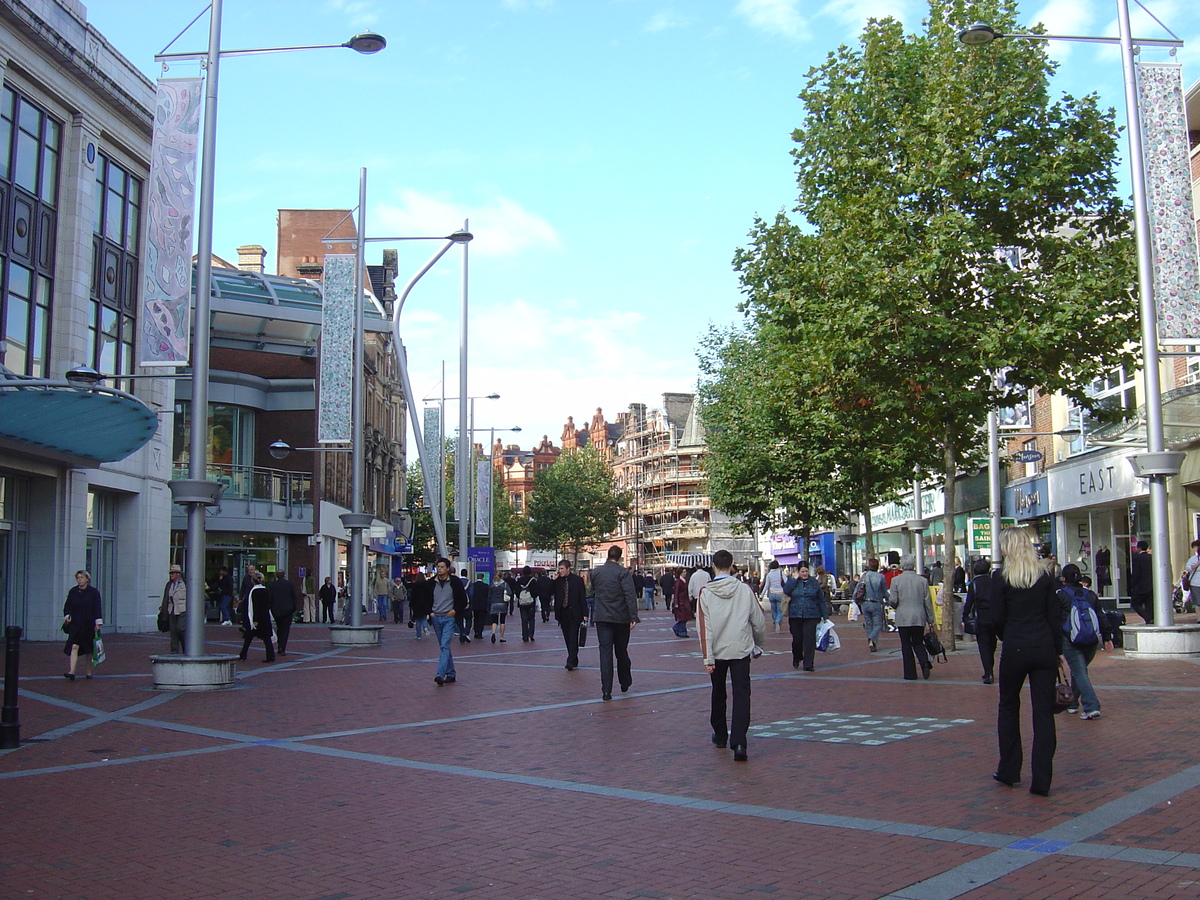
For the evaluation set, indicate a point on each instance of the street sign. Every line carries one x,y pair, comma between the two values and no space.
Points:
979,533
1028,456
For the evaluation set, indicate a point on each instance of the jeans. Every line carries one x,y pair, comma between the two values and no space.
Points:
1079,658
419,626
872,614
648,598
381,606
776,598
226,607
443,627
739,675
1039,665
462,624
680,629
613,638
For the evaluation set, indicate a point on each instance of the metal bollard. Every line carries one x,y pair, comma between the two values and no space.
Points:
10,726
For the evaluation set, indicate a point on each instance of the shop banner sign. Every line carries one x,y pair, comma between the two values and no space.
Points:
166,318
1169,201
335,414
979,533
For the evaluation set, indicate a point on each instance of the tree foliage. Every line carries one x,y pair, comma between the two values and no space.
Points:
575,502
955,221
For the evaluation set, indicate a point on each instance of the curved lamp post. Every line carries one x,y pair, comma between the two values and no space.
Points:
1157,463
197,492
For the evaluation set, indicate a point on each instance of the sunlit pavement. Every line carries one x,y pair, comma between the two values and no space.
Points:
350,774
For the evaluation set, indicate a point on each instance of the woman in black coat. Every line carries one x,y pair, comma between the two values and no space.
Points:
83,618
255,612
1027,619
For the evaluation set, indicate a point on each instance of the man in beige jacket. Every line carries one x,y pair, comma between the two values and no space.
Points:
732,629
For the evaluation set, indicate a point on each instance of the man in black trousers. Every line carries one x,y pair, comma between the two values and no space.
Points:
570,609
1141,583
283,599
615,615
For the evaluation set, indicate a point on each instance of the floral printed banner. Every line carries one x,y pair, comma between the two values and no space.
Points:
432,434
335,414
483,495
1169,201
165,325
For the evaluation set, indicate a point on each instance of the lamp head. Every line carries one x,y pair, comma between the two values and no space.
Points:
366,43
977,34
84,378
460,237
280,449
515,428
493,396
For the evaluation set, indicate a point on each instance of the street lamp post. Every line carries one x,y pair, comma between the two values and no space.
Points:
197,493
1156,464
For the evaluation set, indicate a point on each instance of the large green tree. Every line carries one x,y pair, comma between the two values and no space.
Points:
575,502
955,221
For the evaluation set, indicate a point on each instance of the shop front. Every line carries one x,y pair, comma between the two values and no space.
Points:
1028,503
1100,509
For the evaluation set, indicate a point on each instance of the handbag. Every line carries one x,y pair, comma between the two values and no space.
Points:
66,627
1064,694
98,655
971,624
164,623
583,634
933,645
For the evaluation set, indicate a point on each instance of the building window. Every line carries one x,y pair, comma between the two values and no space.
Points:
101,556
230,436
29,149
1116,390
113,316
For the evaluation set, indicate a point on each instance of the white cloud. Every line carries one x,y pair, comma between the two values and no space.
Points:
781,17
357,13
855,13
666,20
501,226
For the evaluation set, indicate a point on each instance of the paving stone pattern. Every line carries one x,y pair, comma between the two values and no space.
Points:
350,774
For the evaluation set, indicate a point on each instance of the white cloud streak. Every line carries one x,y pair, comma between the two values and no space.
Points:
502,227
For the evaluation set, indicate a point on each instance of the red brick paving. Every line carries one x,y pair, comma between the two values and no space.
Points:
253,820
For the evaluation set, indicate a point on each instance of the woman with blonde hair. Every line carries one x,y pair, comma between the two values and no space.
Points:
1026,617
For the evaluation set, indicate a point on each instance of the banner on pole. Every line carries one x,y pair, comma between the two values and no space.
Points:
432,438
335,413
483,494
165,325
1169,201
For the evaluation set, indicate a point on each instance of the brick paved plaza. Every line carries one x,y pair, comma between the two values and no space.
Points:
350,774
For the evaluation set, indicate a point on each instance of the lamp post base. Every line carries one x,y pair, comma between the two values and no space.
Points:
1161,641
356,635
175,672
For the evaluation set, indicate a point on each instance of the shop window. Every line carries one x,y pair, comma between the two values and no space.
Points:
230,436
112,322
1116,393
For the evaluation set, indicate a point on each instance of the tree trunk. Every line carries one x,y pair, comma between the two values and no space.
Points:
869,542
949,490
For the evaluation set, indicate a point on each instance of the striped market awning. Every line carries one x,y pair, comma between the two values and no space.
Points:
690,560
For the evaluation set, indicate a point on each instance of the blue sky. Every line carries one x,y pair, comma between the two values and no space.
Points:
610,155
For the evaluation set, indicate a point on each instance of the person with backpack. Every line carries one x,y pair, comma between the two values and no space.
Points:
1084,631
527,603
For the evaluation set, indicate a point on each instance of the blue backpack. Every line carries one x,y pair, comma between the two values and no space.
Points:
1082,627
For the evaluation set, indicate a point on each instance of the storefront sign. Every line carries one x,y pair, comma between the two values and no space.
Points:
1093,482
1027,500
889,515
979,533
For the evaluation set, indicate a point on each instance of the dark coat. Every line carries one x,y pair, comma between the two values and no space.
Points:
667,583
979,600
479,596
570,598
1141,579
84,607
420,600
255,612
1028,618
282,594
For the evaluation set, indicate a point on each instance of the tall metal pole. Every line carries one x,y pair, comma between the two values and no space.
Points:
1164,613
358,560
492,493
994,495
470,479
193,642
441,455
463,479
918,533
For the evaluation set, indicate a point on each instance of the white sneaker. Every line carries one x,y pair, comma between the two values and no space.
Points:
1072,709
1094,714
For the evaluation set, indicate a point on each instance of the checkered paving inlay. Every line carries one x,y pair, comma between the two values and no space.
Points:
871,731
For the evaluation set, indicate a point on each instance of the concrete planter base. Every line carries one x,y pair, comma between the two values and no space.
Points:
1161,641
176,672
356,635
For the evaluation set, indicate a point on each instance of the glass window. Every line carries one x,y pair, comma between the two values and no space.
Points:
115,265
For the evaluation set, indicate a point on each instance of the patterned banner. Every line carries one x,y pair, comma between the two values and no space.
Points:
335,414
432,437
171,201
1169,201
483,494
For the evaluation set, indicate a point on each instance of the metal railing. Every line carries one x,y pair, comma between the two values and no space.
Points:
289,493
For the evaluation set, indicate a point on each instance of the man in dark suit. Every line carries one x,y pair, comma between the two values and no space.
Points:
570,608
1141,583
545,586
283,599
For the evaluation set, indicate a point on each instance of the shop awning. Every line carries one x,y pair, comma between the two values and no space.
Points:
80,427
1181,422
690,560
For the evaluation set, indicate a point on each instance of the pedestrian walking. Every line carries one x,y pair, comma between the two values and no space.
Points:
397,594
380,587
500,602
480,595
1141,582
283,598
174,606
773,589
806,609
83,614
731,626
1028,620
616,614
448,600
462,619
570,610
875,592
1084,632
681,607
527,603
979,603
420,605
255,613
224,589
909,596
328,596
